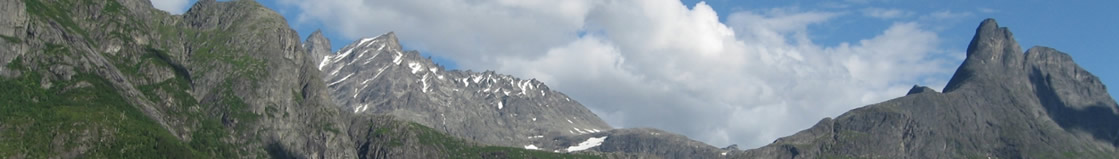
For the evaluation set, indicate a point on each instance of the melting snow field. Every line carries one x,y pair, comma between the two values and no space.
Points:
591,142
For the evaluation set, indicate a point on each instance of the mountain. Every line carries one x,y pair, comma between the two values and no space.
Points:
120,79
374,76
1000,103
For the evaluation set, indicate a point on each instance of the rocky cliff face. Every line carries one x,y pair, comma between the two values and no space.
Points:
225,79
1001,103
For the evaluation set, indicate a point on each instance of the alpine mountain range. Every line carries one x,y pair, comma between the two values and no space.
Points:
120,79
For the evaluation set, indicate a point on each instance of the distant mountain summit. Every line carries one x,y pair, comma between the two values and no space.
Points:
374,76
1001,103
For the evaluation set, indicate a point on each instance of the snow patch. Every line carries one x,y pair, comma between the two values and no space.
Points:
533,119
396,59
500,105
363,41
343,55
416,67
359,55
370,59
379,71
424,81
361,108
591,142
325,60
531,147
569,121
340,80
724,153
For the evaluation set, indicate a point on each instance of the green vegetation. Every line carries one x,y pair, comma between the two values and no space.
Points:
83,112
11,39
58,12
850,135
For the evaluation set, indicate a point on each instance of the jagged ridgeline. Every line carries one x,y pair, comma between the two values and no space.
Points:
120,79
1001,103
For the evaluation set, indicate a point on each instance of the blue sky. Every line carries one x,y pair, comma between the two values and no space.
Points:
730,72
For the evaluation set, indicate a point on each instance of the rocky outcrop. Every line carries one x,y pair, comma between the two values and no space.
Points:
317,46
999,104
920,89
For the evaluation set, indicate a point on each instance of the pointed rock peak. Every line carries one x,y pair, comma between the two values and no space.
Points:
994,44
993,54
390,35
318,46
918,89
317,40
390,38
316,34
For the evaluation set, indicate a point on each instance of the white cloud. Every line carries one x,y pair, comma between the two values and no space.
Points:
657,63
474,32
172,6
883,13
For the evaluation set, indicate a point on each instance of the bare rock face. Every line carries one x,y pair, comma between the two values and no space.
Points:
999,104
317,46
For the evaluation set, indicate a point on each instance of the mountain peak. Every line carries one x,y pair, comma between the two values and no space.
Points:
318,46
992,55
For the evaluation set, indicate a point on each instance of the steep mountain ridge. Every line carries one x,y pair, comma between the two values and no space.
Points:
1001,103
